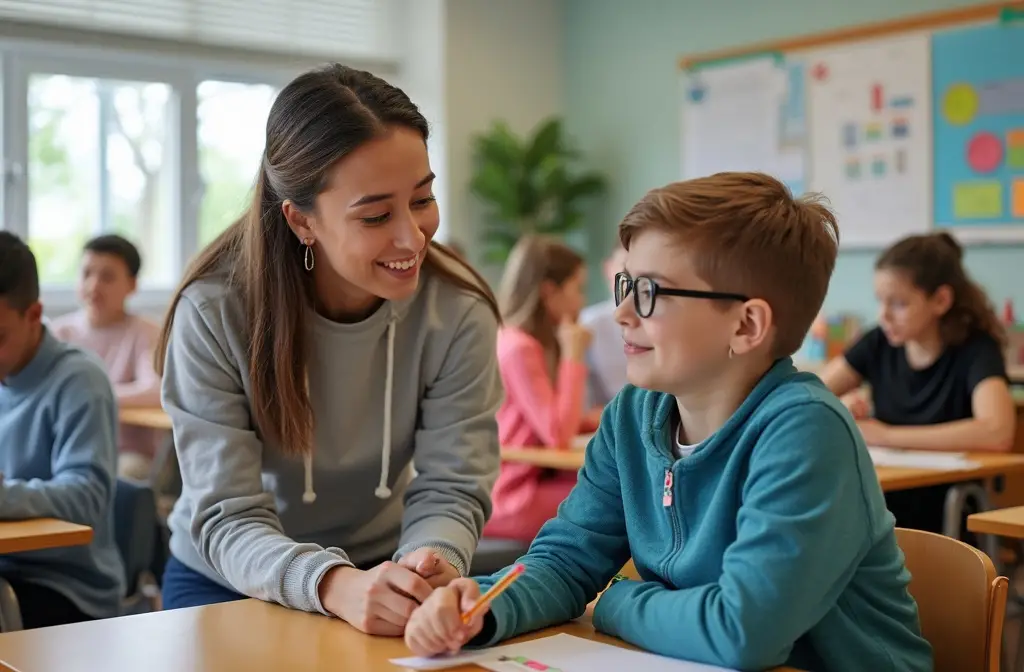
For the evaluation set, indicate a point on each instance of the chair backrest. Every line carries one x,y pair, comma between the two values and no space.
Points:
961,601
135,527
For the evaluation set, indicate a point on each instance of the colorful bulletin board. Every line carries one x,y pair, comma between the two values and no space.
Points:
905,125
978,97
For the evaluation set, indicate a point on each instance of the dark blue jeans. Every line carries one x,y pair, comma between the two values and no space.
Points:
185,587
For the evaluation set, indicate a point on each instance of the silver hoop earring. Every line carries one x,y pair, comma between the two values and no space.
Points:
731,353
307,258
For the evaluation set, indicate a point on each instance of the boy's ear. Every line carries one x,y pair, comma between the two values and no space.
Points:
133,284
754,327
34,313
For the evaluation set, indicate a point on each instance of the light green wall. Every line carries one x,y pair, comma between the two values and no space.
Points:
622,104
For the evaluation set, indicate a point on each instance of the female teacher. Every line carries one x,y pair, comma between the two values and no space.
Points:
331,374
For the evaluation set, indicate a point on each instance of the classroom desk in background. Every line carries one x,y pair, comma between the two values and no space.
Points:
37,534
986,466
246,635
153,418
1001,522
1014,373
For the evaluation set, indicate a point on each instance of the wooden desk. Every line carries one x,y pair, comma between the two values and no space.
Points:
989,466
247,635
547,458
1001,522
891,478
1014,372
153,418
37,534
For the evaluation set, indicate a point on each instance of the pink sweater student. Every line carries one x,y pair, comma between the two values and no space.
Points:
536,412
126,349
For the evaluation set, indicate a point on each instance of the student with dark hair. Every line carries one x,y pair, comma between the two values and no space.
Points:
331,374
934,364
123,341
58,428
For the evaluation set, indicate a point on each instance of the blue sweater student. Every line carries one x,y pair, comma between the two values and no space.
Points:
58,442
740,487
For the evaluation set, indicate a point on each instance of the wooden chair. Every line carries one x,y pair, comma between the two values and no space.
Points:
961,601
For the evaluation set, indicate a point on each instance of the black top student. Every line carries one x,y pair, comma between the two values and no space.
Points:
934,364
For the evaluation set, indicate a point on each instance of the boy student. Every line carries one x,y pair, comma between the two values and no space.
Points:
125,342
605,360
57,449
742,488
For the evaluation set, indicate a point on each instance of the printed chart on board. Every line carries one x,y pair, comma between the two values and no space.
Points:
869,136
978,89
745,116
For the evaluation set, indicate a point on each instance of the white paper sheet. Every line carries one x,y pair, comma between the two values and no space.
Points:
580,441
870,136
920,459
733,119
559,653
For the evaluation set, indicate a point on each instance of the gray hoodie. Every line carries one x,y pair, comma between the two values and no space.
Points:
406,444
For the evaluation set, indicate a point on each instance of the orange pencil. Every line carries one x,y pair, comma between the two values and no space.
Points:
496,589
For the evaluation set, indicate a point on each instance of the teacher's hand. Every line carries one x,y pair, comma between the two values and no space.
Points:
378,601
429,564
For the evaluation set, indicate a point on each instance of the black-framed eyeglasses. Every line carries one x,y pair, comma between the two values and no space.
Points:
645,291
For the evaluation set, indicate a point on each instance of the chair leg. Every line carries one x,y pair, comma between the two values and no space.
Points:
1018,662
10,610
952,520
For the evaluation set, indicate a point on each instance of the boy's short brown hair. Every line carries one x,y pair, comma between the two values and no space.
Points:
746,234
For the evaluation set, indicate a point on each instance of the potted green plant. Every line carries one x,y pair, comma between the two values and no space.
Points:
528,185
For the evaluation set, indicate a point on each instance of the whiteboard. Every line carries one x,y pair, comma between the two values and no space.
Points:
740,116
870,137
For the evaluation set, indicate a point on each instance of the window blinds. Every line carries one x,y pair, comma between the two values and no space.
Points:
326,28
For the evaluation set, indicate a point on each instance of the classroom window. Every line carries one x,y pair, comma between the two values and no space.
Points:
98,163
161,147
230,148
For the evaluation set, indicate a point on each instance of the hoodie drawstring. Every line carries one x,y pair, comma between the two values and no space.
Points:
382,491
309,496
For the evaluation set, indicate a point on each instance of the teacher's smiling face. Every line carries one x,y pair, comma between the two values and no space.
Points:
372,224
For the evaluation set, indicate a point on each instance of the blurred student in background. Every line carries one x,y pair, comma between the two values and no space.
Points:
934,364
605,358
541,350
125,342
58,426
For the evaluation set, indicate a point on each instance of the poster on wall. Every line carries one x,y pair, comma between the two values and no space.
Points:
869,133
978,96
745,116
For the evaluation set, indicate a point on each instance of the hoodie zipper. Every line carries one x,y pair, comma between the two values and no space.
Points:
667,501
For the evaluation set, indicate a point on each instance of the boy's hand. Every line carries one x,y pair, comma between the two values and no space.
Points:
429,564
437,627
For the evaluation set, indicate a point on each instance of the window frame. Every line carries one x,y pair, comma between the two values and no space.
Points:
21,58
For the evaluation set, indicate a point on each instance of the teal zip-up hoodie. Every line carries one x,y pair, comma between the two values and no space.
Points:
769,545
